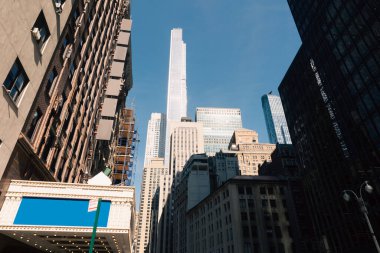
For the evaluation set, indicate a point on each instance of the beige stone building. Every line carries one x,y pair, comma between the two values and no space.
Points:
246,214
148,208
250,153
186,139
66,69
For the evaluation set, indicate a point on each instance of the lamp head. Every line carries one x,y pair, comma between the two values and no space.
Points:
346,196
368,188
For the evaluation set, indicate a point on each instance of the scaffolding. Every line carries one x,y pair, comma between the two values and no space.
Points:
125,149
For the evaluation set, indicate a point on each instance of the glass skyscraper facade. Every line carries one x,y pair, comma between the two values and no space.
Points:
277,127
219,125
331,99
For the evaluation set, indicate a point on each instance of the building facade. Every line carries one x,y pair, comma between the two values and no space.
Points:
250,153
53,217
218,126
246,214
186,139
275,120
284,165
177,91
330,95
176,107
223,166
283,162
148,209
193,187
155,137
65,79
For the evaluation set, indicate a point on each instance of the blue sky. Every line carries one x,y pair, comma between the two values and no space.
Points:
236,52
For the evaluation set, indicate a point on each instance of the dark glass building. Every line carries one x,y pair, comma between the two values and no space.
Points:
331,99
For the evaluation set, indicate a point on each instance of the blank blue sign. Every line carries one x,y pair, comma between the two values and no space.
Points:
59,212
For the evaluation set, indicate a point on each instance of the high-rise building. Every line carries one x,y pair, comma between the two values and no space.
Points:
177,91
218,126
193,187
250,153
330,95
150,188
66,71
277,127
176,107
155,137
186,139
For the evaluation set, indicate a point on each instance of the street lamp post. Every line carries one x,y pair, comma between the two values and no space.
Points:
363,208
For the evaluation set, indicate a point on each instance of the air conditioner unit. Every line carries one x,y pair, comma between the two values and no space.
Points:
36,33
68,52
58,7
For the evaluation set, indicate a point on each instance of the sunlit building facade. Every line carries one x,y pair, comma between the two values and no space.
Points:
176,107
275,120
218,126
155,137
148,211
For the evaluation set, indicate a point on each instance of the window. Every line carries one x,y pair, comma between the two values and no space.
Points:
65,42
16,80
269,232
251,203
270,190
262,190
40,30
254,231
241,190
273,203
275,216
252,216
264,203
277,230
243,204
51,81
35,121
245,231
248,190
244,216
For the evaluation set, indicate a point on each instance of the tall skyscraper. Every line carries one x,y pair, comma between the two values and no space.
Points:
218,126
155,137
177,91
275,120
177,94
150,188
330,95
186,139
